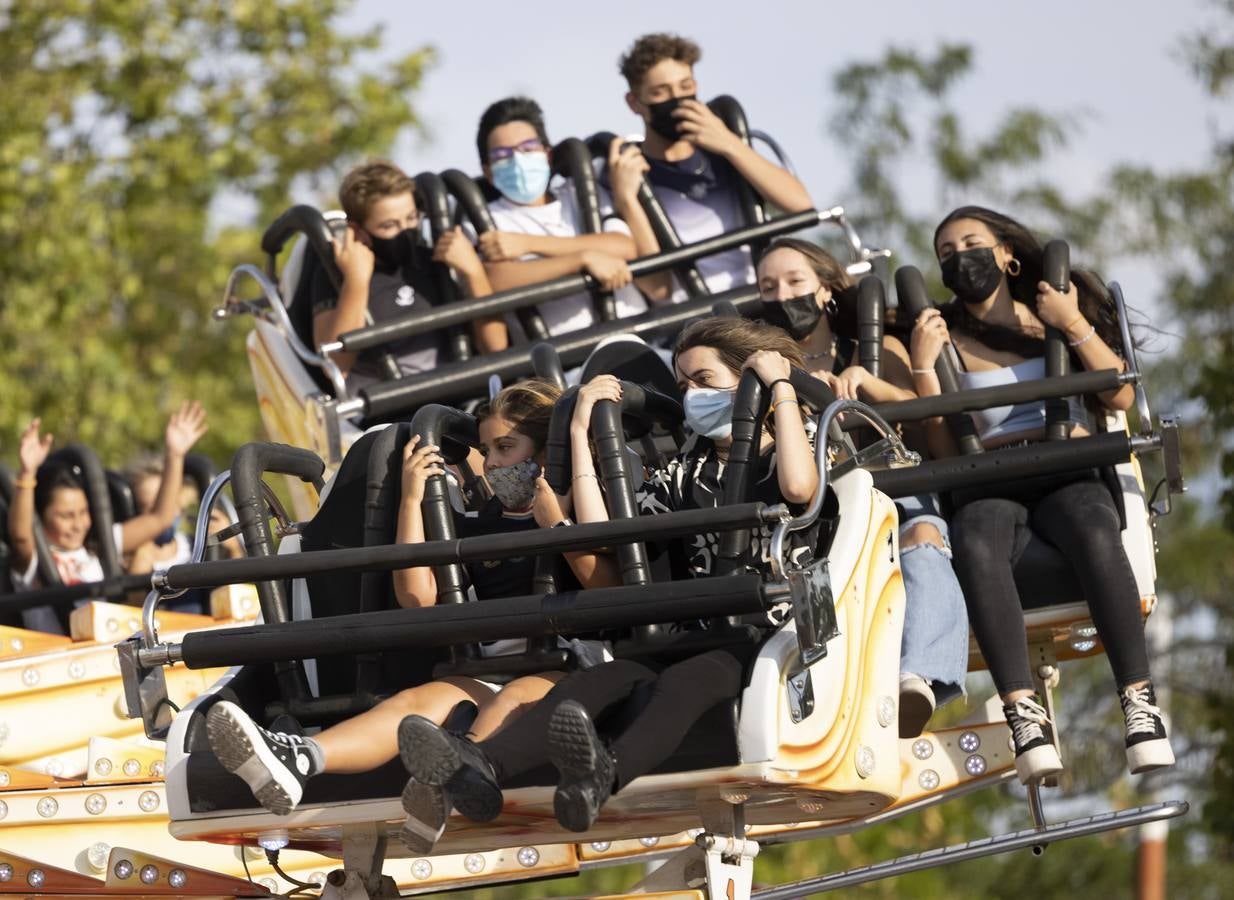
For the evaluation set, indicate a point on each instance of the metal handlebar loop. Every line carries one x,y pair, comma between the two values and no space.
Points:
900,455
277,315
1129,354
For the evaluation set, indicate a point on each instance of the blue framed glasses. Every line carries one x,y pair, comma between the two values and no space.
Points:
532,145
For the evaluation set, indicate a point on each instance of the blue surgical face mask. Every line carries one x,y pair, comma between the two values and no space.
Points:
709,412
523,178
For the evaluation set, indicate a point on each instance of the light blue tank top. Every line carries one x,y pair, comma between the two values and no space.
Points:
1001,421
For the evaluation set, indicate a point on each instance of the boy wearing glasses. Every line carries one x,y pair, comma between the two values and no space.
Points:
538,235
691,158
388,273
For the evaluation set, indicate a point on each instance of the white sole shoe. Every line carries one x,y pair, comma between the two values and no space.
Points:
1149,755
1038,763
239,746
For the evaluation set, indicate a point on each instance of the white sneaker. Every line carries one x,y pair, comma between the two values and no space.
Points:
1036,757
1148,747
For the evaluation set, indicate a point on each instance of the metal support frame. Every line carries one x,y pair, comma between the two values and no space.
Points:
364,854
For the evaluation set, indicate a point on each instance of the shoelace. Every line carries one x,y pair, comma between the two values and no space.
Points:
1029,717
1141,715
295,745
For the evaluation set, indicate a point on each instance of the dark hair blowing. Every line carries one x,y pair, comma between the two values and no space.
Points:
1095,302
503,112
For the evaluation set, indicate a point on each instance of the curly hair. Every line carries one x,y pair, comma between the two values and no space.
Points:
651,49
366,184
528,406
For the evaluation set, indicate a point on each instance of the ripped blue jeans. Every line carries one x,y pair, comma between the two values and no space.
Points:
935,641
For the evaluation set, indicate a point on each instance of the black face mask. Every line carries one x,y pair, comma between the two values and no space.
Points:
797,315
663,122
972,275
395,252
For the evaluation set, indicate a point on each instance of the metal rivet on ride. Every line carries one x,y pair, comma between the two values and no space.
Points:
886,711
6,872
600,846
102,766
157,768
473,863
95,804
177,878
970,741
649,841
928,780
96,856
30,676
131,767
864,761
36,877
528,857
975,765
77,669
48,807
421,869
923,748
148,801
123,869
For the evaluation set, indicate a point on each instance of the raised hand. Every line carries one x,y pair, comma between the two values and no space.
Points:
185,428
33,449
419,464
703,128
602,387
626,168
354,257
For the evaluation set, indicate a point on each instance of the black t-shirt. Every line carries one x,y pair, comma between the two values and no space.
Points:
496,578
393,293
699,176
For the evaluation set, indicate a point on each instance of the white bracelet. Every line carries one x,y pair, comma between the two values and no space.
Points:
924,372
1092,331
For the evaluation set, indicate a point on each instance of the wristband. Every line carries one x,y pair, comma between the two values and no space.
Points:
1092,333
782,401
578,475
923,372
772,386
30,483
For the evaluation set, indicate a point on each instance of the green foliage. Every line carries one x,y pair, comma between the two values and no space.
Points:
125,128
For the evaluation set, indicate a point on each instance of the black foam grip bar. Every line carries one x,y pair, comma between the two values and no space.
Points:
516,298
468,379
749,410
382,494
614,464
308,221
558,463
1006,465
1095,382
497,546
434,423
572,160
910,289
1056,270
546,364
65,595
94,479
533,616
434,199
871,297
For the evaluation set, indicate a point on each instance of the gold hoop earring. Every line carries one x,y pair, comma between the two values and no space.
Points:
1013,272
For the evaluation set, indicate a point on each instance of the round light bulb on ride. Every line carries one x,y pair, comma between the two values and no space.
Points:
923,748
421,869
177,878
36,877
149,874
123,869
975,765
95,804
970,741
96,856
528,857
131,768
6,872
48,807
148,801
473,863
600,846
928,780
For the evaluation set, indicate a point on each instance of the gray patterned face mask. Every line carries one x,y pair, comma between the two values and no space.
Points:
514,486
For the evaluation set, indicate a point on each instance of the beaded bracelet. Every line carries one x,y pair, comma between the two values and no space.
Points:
782,401
1092,332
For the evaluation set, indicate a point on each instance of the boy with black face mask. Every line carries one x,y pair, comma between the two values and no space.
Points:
387,272
692,160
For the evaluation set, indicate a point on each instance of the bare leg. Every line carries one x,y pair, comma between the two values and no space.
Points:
371,738
515,699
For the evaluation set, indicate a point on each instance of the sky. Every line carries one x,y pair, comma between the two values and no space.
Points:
1115,64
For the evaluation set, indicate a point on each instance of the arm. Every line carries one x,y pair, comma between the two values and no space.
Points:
355,260
511,246
856,383
592,568
1063,312
795,467
415,587
778,186
929,335
184,429
33,452
453,249
626,169
610,271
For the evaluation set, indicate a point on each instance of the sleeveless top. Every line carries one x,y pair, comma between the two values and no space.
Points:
1002,421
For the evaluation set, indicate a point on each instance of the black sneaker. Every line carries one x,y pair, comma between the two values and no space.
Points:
1036,757
274,765
427,807
435,757
1148,747
586,765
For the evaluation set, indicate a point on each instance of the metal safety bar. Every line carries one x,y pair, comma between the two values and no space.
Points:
896,455
1129,354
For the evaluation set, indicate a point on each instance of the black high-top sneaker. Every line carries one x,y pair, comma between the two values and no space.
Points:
274,765
1148,747
587,767
439,759
1036,757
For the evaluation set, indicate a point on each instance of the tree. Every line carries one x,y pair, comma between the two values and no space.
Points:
131,133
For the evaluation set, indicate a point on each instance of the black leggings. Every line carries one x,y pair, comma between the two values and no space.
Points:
1080,520
680,695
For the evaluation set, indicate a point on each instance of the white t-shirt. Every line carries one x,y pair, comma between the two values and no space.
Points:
78,566
560,218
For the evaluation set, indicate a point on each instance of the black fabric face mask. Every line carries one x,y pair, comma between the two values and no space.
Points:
398,251
662,120
972,275
798,315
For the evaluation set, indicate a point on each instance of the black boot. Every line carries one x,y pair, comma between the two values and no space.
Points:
586,765
437,758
